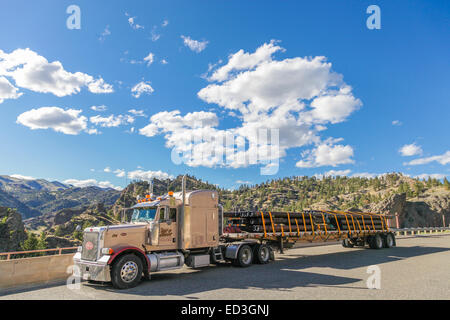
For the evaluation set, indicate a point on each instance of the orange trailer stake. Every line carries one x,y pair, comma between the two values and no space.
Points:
298,230
264,224
271,221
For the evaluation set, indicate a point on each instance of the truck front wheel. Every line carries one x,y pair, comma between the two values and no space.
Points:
126,272
244,256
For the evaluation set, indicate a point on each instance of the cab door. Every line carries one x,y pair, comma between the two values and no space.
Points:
167,227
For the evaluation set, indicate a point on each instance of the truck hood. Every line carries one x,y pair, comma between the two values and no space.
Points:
117,226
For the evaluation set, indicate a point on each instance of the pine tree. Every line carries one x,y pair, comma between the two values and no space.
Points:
31,243
42,242
446,184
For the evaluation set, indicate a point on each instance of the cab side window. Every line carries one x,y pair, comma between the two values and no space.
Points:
173,214
162,211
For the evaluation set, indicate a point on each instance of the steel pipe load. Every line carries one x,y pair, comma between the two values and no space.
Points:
306,221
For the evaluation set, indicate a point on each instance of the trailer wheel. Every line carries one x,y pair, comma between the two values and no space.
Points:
346,243
376,241
244,257
126,272
389,240
261,254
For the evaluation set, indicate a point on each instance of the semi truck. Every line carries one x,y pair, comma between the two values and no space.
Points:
190,228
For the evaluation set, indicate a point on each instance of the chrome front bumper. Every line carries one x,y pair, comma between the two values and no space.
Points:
92,270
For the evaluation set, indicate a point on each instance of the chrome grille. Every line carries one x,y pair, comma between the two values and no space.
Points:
90,246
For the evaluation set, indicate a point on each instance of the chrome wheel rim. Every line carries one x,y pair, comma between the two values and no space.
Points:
246,256
264,254
129,271
379,242
390,241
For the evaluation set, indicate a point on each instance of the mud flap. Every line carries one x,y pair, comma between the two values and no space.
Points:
271,254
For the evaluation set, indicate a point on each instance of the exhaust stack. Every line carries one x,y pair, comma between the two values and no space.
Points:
150,188
181,218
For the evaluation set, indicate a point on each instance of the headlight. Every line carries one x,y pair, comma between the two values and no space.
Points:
79,249
108,251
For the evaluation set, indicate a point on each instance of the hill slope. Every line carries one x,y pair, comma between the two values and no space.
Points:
37,197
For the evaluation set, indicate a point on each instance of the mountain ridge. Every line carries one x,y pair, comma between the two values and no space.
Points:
36,197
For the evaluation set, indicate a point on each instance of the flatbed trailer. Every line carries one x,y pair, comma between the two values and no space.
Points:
312,226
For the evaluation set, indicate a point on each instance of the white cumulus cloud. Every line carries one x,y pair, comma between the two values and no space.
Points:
137,113
299,97
31,71
91,183
149,58
7,90
442,159
326,155
112,120
194,45
438,176
410,150
132,22
141,88
119,173
99,108
22,177
148,175
366,175
66,121
243,60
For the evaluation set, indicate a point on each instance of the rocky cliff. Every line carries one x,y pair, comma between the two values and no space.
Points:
426,210
12,232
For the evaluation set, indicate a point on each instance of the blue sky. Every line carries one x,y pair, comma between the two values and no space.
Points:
388,112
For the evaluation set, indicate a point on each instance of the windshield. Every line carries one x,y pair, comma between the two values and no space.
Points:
144,214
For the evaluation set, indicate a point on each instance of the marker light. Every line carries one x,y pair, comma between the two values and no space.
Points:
108,251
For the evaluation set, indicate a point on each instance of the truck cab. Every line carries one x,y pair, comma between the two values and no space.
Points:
163,233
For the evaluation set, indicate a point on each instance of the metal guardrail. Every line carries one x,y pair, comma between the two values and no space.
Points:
405,231
59,250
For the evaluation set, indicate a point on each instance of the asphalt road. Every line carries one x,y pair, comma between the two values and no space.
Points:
418,268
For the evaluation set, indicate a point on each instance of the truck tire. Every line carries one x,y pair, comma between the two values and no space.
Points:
346,243
389,240
244,257
126,272
261,254
376,241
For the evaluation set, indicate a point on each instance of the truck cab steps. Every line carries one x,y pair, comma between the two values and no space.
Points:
216,255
